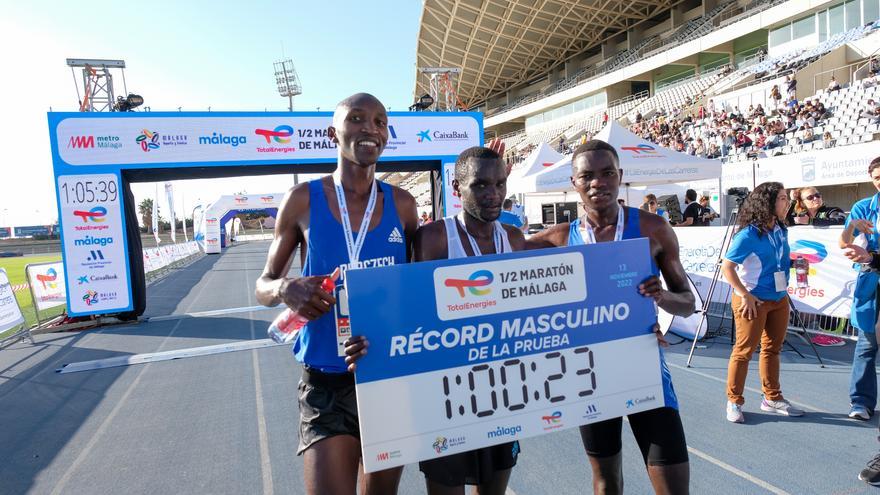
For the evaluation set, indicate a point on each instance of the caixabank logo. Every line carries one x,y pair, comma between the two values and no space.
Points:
429,136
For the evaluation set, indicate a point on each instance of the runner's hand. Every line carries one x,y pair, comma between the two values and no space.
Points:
305,295
750,306
355,348
660,338
857,253
651,287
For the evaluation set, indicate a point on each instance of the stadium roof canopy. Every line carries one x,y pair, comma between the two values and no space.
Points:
499,44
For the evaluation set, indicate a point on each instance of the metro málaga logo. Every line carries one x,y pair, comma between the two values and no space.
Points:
479,278
86,142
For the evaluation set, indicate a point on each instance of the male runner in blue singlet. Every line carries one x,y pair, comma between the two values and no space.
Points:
348,220
596,177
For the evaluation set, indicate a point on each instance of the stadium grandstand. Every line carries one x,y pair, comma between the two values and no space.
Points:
730,80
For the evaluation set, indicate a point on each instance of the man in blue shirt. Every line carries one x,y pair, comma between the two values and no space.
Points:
863,380
508,216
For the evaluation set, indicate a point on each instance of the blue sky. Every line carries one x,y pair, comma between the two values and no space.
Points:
194,55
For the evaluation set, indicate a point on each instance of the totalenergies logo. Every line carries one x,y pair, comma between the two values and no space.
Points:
640,149
480,278
90,297
48,279
812,251
552,419
240,200
212,221
96,214
267,199
148,140
280,134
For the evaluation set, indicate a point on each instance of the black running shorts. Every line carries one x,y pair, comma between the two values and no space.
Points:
658,432
327,407
471,468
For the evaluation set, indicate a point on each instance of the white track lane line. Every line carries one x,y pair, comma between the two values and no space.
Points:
215,312
742,474
265,460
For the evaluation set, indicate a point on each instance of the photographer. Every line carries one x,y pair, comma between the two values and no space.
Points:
707,214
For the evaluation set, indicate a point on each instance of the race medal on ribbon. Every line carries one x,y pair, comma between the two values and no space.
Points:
343,327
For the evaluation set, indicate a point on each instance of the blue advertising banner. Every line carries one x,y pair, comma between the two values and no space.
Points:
514,343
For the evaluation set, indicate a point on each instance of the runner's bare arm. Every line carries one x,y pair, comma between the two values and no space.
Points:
430,242
516,238
555,236
301,294
409,217
677,299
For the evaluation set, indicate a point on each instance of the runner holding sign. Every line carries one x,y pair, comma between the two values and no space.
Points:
481,181
596,177
348,220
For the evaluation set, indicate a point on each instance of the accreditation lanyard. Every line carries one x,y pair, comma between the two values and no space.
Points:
354,246
779,280
590,237
499,242
351,244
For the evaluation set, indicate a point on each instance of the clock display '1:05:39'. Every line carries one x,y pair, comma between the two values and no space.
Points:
514,383
88,191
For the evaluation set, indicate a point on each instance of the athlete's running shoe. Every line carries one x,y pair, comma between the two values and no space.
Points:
735,413
871,473
782,407
859,412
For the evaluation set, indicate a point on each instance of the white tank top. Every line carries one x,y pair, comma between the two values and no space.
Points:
455,248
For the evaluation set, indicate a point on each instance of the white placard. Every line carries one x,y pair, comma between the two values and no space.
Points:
451,199
94,244
10,313
48,285
460,409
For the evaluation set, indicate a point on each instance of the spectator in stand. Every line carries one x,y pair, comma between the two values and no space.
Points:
791,87
827,140
874,66
776,96
700,148
714,152
728,144
424,219
870,110
833,85
743,141
760,140
807,136
809,209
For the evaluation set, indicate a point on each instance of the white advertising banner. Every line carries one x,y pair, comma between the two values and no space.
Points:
831,275
48,284
10,313
224,138
94,244
812,168
169,194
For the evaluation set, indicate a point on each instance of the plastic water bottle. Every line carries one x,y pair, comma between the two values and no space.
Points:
288,323
802,270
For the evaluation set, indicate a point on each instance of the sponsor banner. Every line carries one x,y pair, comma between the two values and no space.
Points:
507,347
451,199
158,139
810,168
95,259
47,284
831,276
160,257
10,313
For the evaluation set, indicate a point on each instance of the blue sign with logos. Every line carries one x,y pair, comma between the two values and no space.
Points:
522,343
32,230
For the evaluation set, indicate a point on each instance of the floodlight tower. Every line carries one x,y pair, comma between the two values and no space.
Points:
97,83
441,87
287,80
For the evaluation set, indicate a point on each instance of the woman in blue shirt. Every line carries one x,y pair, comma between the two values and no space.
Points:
757,266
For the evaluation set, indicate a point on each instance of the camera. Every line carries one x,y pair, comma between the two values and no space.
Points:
739,194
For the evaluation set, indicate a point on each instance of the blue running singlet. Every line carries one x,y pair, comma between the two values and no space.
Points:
385,245
632,230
